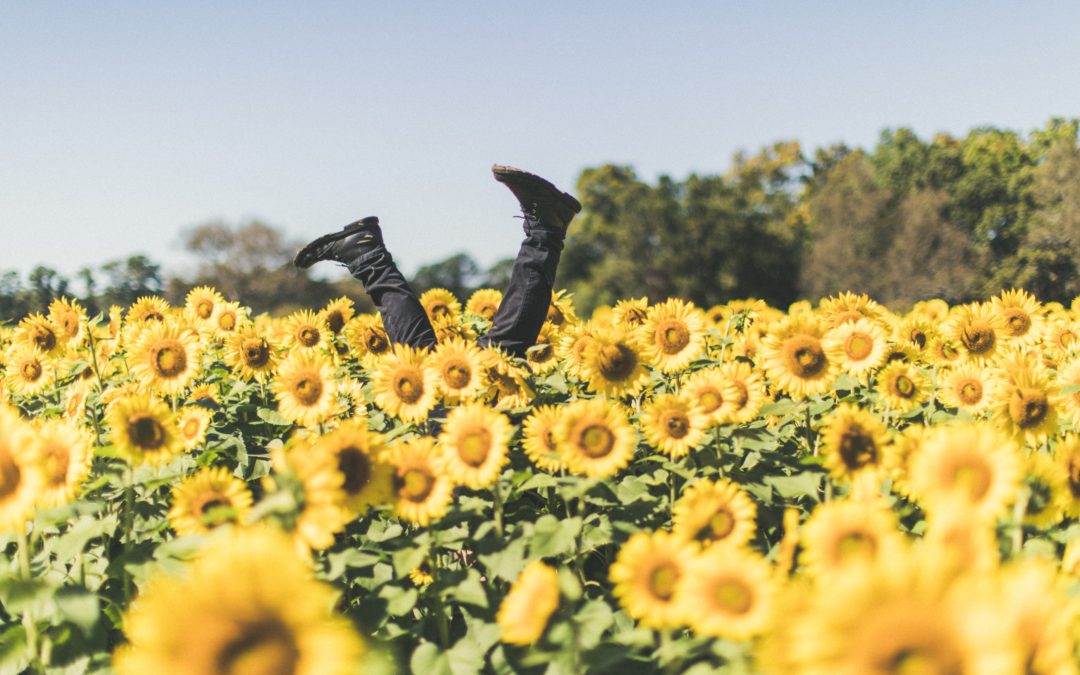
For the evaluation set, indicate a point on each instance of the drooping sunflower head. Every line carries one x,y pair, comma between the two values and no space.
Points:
613,364
240,615
539,442
673,335
367,481
673,424
484,302
794,357
854,441
714,513
422,491
202,302
473,444
337,313
143,429
440,304
305,388
251,354
64,453
210,498
532,599
542,357
595,438
647,573
166,358
405,385
561,312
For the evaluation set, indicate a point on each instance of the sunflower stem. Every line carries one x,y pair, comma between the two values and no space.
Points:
129,525
1019,512
28,619
440,609
809,430
496,490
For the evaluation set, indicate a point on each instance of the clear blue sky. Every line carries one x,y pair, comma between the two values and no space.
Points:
121,123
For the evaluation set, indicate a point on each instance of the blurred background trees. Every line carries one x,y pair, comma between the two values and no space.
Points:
911,218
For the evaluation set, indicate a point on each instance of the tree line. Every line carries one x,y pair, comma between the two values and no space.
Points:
909,219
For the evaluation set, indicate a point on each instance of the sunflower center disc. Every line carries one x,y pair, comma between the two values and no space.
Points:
146,432
597,441
204,309
555,316
355,466
457,374
31,371
1074,477
672,336
733,596
376,342
914,661
855,544
56,462
904,387
617,362
264,648
978,338
540,353
676,424
858,346
10,477
663,580
409,388
1028,407
44,339
170,360
335,321
474,448
857,449
720,525
214,509
308,336
191,428
227,321
256,352
1018,321
416,485
742,394
308,390
710,399
919,338
973,479
805,358
970,392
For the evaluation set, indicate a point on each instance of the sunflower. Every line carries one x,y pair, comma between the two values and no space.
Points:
306,331
421,576
405,385
202,302
845,533
507,383
367,339
595,438
484,302
1061,335
647,573
794,358
40,333
1067,456
572,347
630,313
902,387
458,366
974,465
352,398
855,444
532,599
64,454
858,346
561,313
452,328
422,491
539,442
148,309
613,364
727,594
967,387
208,499
958,543
1048,492
917,331
440,304
143,429
943,351
28,370
337,313
846,307
228,317
977,332
714,513
192,421
750,395
1021,316
673,335
541,357
310,473
250,354
1068,375
306,389
75,402
239,615
367,481
473,445
21,477
70,318
713,394
165,358
673,424
1026,405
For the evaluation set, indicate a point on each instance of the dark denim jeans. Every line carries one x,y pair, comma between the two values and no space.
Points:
520,315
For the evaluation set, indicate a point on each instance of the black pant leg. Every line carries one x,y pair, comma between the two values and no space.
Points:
525,304
403,316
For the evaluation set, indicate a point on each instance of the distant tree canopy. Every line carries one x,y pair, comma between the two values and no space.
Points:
912,218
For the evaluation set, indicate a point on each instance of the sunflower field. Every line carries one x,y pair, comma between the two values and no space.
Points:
660,488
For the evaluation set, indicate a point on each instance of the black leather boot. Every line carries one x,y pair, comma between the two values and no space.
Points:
342,247
540,201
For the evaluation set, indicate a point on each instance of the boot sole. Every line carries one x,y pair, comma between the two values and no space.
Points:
510,174
307,256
